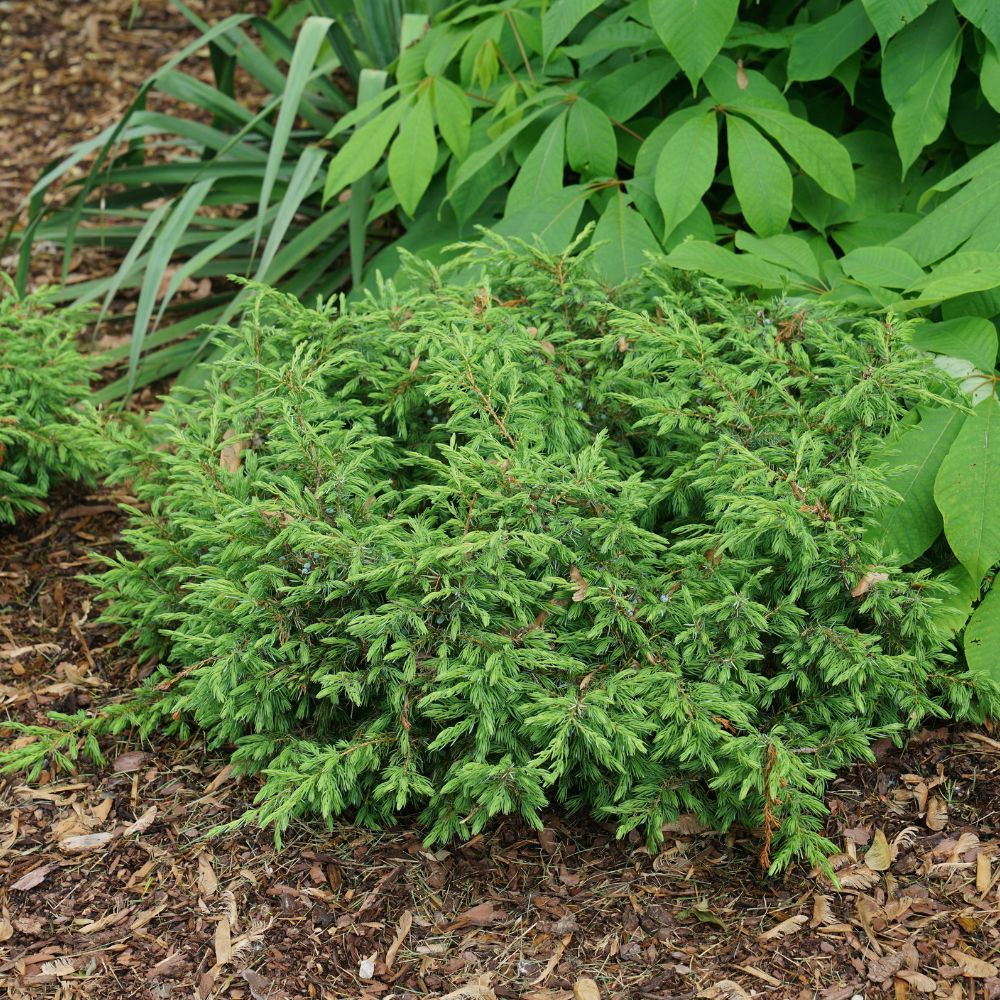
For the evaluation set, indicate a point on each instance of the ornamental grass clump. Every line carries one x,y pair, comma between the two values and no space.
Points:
44,382
472,551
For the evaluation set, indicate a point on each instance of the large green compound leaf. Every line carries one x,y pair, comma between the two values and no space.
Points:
626,240
890,16
982,637
911,464
819,49
686,169
761,178
693,30
967,490
541,174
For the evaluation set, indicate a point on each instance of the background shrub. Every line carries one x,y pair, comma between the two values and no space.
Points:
44,385
474,551
845,149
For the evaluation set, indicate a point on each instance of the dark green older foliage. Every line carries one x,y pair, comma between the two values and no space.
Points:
473,552
43,378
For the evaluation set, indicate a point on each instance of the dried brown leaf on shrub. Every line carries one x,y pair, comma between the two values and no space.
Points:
229,458
579,583
869,580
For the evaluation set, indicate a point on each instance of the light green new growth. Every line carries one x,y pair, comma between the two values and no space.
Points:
43,378
475,552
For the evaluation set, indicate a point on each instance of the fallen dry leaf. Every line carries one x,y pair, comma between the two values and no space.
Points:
878,857
920,982
58,967
207,882
6,928
476,916
142,824
229,458
937,813
984,872
32,879
822,913
787,927
972,967
402,929
478,990
725,989
223,942
131,761
586,989
86,842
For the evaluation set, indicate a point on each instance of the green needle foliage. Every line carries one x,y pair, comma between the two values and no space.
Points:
476,550
43,378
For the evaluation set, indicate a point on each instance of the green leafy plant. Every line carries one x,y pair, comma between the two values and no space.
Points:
473,550
44,389
843,150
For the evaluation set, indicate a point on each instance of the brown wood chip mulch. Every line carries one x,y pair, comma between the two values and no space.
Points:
110,889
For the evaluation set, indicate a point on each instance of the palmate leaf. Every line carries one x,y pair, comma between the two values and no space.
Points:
984,14
686,168
693,31
413,154
541,174
982,636
560,19
454,115
739,269
967,490
363,150
819,49
911,464
887,267
891,16
626,240
591,147
761,178
970,337
817,152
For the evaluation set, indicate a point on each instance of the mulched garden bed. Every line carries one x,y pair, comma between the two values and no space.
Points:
110,888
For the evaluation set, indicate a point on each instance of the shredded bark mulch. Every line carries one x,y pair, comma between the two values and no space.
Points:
110,886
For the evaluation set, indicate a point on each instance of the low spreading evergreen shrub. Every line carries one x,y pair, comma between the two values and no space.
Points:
475,551
44,381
